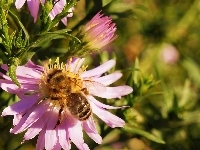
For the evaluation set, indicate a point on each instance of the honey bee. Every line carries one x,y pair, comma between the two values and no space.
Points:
79,106
60,91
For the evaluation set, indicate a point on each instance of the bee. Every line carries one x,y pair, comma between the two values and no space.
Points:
60,91
79,106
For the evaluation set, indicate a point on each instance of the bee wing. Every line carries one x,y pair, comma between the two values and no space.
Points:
95,87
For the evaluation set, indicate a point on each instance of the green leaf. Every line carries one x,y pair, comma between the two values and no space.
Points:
193,70
136,71
120,7
47,37
3,49
25,57
106,2
12,67
131,129
20,24
1,61
129,97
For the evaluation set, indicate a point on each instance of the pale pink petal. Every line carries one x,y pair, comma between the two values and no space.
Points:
30,64
8,86
33,117
5,76
17,118
58,7
11,87
50,135
22,79
94,88
76,134
25,115
19,3
63,135
108,79
25,88
76,64
91,130
115,92
4,67
22,105
25,80
52,14
110,119
99,104
27,72
64,21
99,70
57,146
40,140
24,76
50,139
70,12
33,6
36,127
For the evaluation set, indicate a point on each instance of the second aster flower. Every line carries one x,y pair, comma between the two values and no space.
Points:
57,102
99,31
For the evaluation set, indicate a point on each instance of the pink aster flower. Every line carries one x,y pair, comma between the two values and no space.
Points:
33,6
99,31
58,101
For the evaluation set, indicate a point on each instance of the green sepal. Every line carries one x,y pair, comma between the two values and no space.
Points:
106,2
47,37
12,67
132,129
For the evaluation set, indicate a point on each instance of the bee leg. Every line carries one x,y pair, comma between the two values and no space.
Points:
59,117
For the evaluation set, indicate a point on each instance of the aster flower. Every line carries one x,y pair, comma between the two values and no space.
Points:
57,102
33,6
99,31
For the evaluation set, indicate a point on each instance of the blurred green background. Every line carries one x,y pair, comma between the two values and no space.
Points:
158,51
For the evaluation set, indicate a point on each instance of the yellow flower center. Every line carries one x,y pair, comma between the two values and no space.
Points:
59,80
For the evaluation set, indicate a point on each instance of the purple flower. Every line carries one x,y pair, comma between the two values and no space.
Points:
33,6
99,31
57,102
